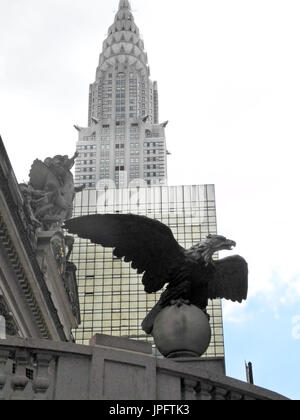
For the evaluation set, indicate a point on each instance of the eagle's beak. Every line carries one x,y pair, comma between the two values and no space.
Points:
230,244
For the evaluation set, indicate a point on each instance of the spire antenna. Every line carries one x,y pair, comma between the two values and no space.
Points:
124,4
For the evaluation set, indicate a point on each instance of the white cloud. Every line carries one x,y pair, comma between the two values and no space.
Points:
236,313
296,328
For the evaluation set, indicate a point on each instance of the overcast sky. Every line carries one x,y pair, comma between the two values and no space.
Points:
229,83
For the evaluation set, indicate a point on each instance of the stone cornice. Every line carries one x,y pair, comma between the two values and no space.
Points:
14,258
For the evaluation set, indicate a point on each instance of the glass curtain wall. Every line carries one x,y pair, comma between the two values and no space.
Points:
111,293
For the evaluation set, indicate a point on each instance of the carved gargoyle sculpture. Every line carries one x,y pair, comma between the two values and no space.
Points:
192,275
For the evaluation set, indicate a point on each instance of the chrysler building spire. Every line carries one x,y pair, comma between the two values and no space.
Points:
124,4
124,141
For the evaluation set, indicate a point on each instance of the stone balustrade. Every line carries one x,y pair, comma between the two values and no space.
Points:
110,368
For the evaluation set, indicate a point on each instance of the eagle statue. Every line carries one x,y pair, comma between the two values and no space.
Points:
192,275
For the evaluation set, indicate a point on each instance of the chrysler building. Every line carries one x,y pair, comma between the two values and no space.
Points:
124,143
124,149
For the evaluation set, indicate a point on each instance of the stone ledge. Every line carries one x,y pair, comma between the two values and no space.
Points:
213,364
121,343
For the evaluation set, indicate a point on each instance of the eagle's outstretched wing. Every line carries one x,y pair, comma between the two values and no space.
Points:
147,243
229,279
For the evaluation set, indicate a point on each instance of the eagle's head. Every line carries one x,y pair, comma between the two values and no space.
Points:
212,244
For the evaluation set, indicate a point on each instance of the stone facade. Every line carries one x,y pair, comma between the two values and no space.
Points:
35,295
111,369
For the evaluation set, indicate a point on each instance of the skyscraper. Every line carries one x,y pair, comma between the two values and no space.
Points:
123,165
124,141
111,293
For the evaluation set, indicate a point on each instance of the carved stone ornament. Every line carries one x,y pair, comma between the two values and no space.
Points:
50,192
181,330
11,327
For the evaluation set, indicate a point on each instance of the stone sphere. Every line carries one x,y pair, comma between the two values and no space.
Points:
181,330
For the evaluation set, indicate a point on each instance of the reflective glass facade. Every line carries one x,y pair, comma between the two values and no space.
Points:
111,293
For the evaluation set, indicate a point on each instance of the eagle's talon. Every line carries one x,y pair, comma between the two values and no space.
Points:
186,302
179,302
